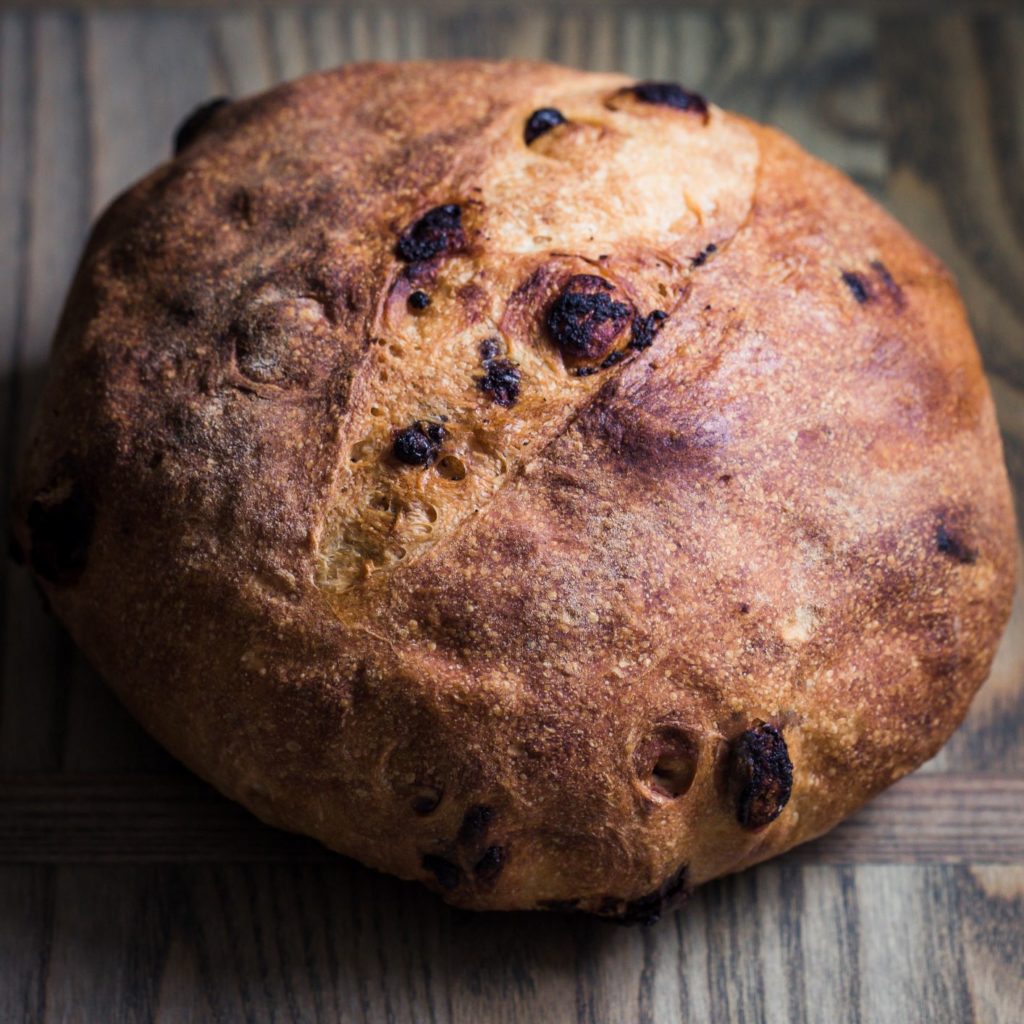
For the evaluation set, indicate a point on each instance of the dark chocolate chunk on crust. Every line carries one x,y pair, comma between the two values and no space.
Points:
669,94
448,874
949,542
475,823
60,526
585,320
858,287
501,382
760,775
541,121
419,444
648,909
438,231
489,866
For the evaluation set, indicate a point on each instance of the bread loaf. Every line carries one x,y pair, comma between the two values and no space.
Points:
544,485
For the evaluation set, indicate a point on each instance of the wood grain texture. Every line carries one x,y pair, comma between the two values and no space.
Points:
131,892
954,95
315,942
467,7
927,818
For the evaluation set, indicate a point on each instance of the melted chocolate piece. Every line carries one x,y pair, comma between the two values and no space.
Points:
702,257
59,536
950,543
645,328
419,300
648,908
438,231
448,875
193,126
760,775
670,94
501,382
419,444
489,866
894,290
857,286
541,121
585,320
474,824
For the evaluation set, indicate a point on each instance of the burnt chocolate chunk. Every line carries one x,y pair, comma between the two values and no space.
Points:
60,526
419,444
194,125
501,382
760,775
947,542
489,866
585,320
702,257
648,909
888,283
419,300
475,823
438,231
448,875
857,286
645,328
541,121
670,94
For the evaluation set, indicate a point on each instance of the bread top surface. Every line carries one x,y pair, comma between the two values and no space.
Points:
685,471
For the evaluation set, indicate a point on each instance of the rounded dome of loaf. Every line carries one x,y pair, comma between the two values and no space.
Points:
544,485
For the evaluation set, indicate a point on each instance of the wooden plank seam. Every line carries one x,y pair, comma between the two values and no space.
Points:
63,819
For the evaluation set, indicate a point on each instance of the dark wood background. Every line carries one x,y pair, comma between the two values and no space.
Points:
131,892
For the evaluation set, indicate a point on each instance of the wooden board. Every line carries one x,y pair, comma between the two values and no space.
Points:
131,892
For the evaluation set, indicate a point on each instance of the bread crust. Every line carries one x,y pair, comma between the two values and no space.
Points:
774,528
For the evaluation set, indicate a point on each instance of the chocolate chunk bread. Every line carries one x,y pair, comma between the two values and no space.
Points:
547,486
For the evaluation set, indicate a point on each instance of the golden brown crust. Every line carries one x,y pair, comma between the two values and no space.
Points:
702,560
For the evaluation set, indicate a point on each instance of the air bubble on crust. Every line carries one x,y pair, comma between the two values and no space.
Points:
666,762
425,799
362,449
451,467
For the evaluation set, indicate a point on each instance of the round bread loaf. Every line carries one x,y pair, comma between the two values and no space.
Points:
544,485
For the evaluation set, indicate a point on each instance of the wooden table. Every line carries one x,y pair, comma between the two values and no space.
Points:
130,892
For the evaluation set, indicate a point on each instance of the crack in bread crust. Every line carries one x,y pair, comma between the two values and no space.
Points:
428,366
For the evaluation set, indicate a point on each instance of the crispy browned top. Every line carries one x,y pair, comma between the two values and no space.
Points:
563,508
